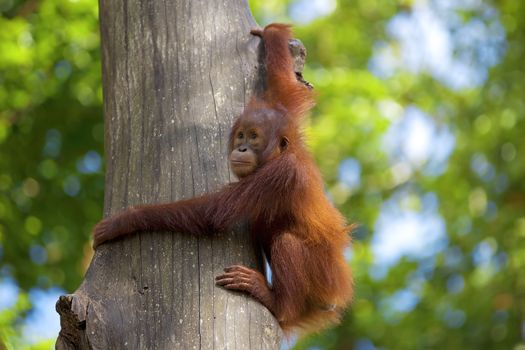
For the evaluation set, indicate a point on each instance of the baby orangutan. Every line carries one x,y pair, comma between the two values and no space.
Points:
280,191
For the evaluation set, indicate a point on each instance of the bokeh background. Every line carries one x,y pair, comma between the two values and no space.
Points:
419,132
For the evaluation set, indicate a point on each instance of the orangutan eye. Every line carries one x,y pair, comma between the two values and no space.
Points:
240,135
253,135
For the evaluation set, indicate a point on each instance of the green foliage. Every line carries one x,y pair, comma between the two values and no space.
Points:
11,327
51,183
50,103
50,118
9,319
478,209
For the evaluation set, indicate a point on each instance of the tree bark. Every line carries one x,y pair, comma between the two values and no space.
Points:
175,74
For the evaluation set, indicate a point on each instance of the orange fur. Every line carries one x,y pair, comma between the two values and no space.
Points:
301,232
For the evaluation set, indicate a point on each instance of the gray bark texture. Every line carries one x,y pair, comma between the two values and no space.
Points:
175,75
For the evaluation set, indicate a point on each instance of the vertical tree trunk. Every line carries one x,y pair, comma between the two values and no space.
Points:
175,74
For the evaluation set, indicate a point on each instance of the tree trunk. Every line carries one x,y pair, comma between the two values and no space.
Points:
175,74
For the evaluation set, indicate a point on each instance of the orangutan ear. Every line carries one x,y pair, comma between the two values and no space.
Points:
284,143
